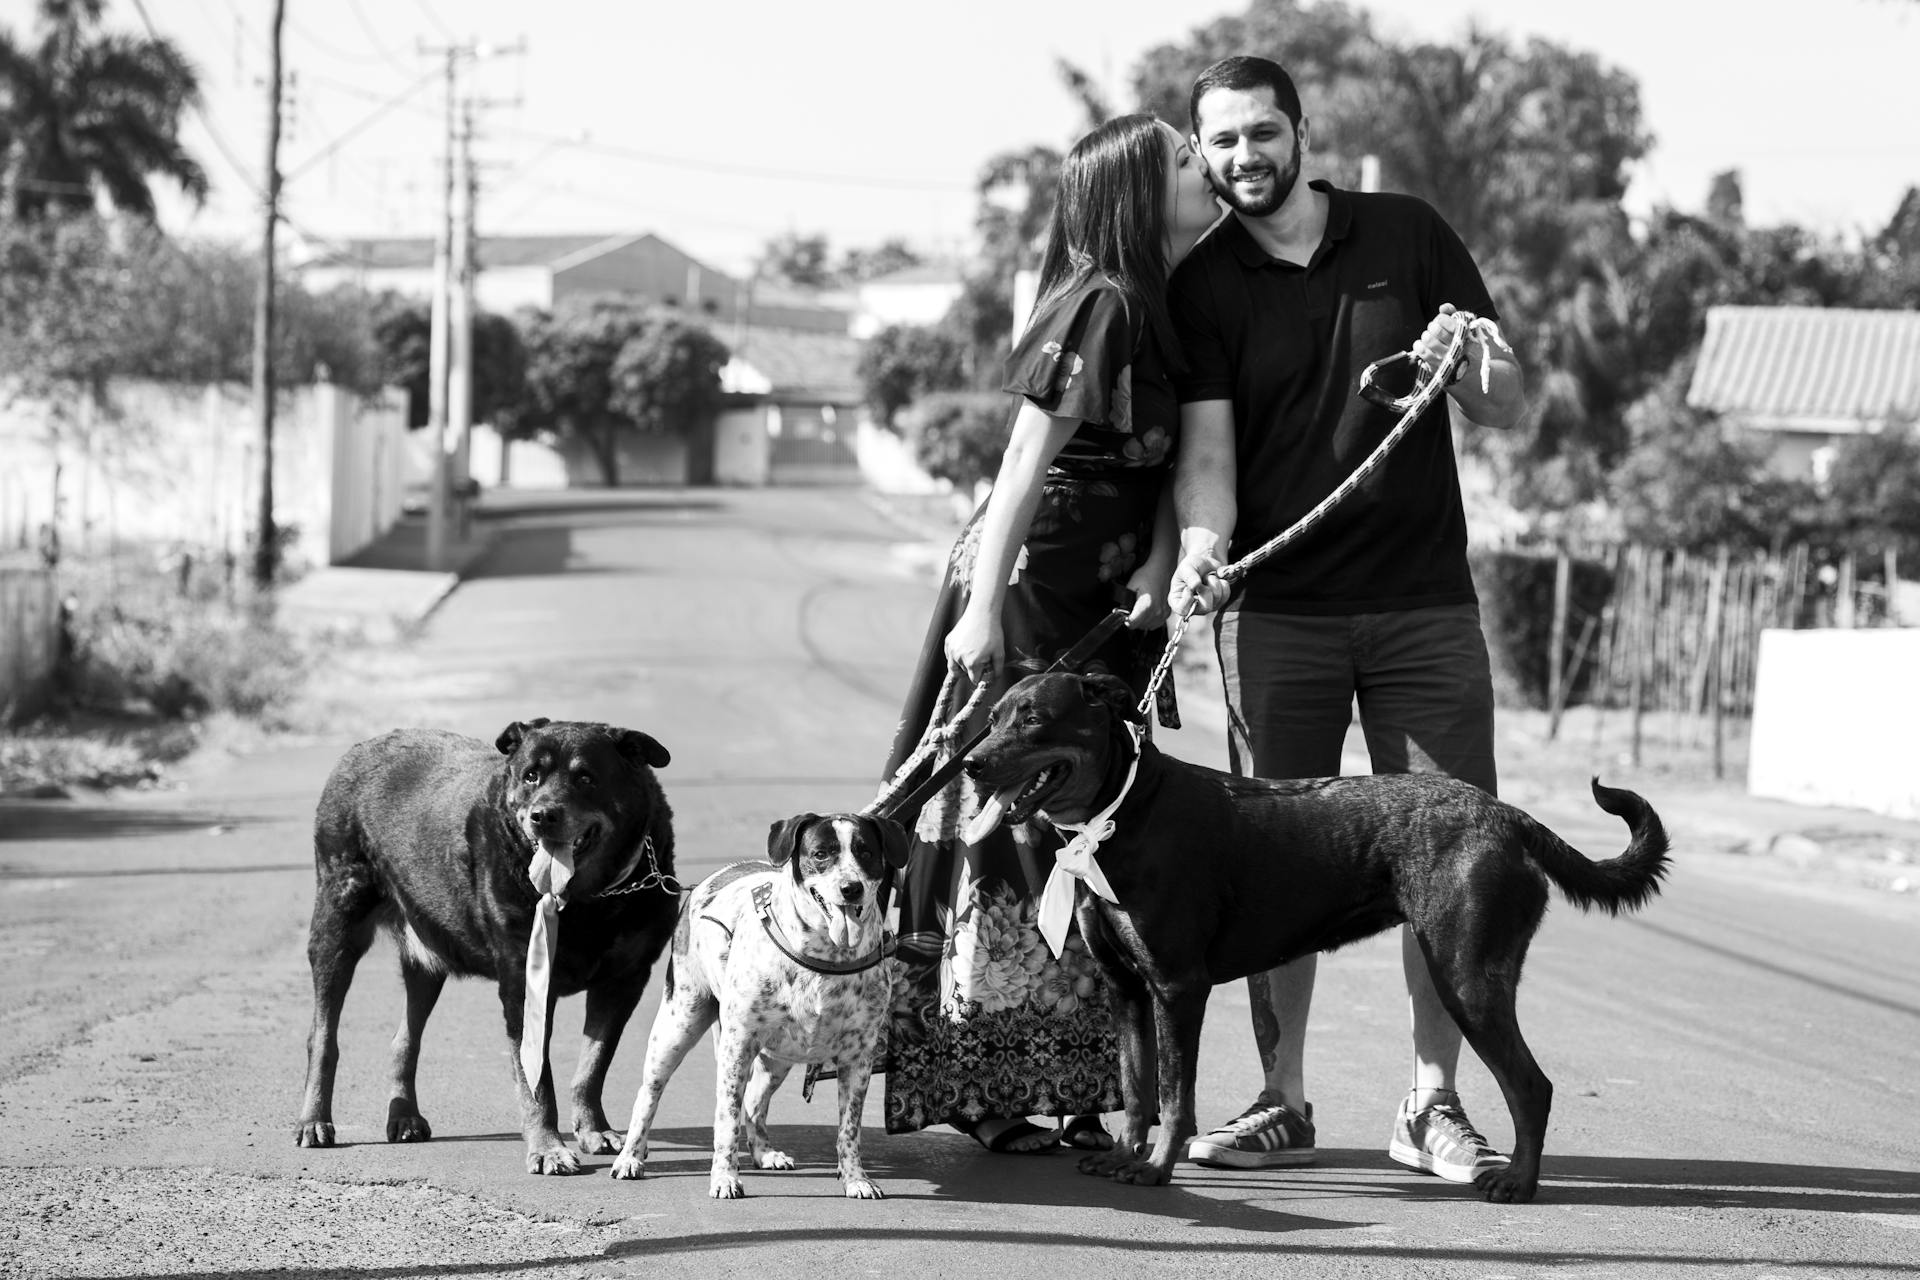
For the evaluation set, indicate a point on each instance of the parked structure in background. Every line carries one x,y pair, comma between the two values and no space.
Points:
546,271
793,412
1808,377
913,295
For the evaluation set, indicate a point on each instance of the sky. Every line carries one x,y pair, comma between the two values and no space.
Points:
720,124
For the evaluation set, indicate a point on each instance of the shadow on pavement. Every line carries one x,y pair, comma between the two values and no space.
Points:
48,820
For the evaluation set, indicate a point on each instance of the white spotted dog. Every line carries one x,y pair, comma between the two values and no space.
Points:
787,957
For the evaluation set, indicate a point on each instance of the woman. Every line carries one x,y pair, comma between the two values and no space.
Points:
988,1026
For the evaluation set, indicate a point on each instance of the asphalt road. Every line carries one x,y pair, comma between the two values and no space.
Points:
1735,1067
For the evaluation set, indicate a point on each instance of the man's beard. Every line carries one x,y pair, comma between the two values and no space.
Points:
1283,183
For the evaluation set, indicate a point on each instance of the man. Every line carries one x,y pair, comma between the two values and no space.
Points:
1279,310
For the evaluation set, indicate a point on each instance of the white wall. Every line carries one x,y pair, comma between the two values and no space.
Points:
179,464
1833,719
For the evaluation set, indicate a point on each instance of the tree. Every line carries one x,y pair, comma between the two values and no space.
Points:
403,334
84,111
666,378
1692,482
1873,491
801,261
960,436
857,265
903,362
599,371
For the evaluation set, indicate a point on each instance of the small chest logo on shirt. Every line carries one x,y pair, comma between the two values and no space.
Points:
1378,284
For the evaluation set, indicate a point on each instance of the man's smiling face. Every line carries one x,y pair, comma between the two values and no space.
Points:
1251,148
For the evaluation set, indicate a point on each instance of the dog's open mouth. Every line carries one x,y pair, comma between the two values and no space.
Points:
584,841
1016,803
844,920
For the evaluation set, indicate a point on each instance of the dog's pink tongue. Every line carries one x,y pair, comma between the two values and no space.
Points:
992,809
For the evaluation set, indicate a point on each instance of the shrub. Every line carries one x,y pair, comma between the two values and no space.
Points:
960,436
145,649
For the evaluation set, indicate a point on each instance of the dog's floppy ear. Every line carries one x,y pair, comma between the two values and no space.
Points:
514,734
641,748
892,838
1111,692
783,837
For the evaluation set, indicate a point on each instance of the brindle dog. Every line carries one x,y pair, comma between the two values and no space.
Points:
1217,877
430,835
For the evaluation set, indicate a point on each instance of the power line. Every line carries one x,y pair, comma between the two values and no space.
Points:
373,38
363,125
434,18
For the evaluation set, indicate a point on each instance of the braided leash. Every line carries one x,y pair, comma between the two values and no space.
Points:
936,736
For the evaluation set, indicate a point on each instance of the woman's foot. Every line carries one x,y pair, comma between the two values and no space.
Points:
1085,1133
1009,1135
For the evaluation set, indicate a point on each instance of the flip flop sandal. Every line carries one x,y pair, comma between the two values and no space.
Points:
1002,1140
1085,1133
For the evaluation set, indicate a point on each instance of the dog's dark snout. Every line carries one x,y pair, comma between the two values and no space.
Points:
543,818
972,767
853,891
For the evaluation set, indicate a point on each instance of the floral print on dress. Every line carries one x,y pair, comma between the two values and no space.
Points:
1150,448
1055,350
1118,557
1120,403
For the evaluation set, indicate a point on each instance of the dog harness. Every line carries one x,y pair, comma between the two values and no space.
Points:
763,907
1075,860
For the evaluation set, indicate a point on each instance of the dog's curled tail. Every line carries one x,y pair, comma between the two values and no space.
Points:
1624,883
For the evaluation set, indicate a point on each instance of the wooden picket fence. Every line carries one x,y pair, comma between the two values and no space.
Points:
1680,633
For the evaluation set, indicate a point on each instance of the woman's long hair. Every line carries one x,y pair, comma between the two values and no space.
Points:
1109,218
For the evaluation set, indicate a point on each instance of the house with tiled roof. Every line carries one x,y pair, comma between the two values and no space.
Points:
794,407
1808,377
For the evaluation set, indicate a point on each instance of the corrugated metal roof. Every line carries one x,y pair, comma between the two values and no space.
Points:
1809,363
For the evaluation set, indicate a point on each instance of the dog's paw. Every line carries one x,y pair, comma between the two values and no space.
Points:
1103,1164
768,1158
407,1126
863,1189
724,1186
552,1160
598,1142
1141,1173
627,1168
313,1133
1503,1186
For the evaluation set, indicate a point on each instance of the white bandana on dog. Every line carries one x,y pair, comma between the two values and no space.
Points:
1075,861
550,874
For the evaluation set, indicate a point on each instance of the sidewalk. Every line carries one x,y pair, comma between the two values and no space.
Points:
388,588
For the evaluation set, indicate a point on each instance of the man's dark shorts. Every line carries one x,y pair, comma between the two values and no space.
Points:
1421,677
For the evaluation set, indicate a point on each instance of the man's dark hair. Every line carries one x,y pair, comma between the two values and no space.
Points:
1243,73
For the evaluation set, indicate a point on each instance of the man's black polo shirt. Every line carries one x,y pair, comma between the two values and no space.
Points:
1286,345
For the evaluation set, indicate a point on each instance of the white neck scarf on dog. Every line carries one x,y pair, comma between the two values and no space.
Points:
550,875
1074,861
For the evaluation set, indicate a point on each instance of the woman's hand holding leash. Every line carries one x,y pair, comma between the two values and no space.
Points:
1149,584
975,645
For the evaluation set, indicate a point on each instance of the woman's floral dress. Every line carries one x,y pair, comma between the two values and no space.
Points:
985,1020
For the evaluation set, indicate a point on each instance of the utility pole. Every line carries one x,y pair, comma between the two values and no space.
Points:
266,551
460,305
440,335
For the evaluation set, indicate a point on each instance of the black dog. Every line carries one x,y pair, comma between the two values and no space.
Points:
431,836
1217,877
